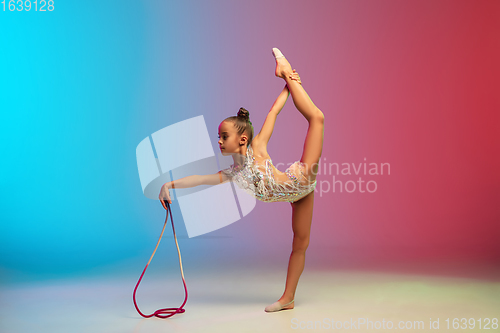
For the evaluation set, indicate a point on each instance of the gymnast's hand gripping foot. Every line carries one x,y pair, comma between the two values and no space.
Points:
254,172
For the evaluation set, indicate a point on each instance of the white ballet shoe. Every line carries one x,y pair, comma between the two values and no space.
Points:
277,53
276,306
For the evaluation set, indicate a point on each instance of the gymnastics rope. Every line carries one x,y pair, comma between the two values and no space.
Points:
162,313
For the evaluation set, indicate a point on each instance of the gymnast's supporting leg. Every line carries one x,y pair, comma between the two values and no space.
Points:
302,210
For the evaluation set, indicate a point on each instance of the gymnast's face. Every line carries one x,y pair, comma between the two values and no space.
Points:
230,141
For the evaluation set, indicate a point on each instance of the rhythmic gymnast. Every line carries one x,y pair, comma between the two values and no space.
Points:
254,171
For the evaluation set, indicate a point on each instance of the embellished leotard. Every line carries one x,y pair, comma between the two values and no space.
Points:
260,181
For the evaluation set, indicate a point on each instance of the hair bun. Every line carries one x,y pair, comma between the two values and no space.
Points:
243,113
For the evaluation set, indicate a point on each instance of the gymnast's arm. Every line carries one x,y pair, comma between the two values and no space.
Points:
195,180
268,127
191,181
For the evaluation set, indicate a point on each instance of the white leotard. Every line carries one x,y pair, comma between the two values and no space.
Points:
259,180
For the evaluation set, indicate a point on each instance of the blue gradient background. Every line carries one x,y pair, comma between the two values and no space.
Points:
410,83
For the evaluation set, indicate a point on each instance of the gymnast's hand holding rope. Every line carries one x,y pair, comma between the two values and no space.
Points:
165,312
165,194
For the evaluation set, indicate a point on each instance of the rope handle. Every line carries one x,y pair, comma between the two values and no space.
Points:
161,313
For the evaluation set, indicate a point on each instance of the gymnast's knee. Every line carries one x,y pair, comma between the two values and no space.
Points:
318,116
300,244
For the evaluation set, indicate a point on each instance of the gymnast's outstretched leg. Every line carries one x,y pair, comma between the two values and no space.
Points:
313,144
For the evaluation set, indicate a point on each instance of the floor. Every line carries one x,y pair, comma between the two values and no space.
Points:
233,300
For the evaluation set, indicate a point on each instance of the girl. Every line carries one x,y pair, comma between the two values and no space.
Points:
254,171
